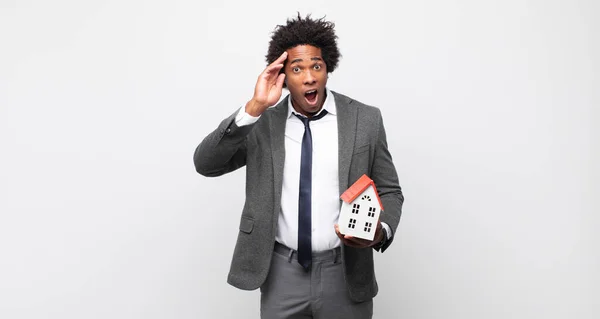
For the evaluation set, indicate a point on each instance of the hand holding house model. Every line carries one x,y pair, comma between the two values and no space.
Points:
360,210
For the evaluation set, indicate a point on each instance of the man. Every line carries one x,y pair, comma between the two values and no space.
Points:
300,156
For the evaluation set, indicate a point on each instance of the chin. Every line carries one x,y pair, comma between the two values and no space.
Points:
312,109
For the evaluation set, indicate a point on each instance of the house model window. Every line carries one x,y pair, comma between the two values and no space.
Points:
360,205
352,223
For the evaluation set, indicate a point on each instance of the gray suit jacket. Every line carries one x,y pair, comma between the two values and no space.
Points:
260,147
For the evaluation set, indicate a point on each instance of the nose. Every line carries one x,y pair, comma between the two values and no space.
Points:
309,78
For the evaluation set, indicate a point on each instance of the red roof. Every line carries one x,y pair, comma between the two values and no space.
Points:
358,188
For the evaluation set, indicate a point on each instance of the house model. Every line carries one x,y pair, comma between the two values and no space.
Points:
360,210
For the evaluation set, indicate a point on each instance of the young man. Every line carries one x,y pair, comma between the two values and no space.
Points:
300,156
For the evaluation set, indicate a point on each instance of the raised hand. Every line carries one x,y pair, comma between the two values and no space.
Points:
268,87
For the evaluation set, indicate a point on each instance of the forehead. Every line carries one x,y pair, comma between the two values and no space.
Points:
303,52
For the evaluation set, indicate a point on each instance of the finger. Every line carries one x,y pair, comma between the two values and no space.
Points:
277,63
280,81
346,239
272,69
281,58
351,244
271,73
358,241
337,232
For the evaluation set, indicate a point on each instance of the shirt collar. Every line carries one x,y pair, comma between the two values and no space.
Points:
328,105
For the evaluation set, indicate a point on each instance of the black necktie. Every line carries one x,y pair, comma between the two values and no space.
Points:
304,200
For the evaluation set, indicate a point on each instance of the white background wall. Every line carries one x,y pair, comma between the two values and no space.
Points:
491,109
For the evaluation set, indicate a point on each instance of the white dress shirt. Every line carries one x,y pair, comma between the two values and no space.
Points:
325,177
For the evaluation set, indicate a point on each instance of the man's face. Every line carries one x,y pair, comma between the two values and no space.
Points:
306,77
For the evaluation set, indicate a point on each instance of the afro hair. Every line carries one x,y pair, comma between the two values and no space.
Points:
318,33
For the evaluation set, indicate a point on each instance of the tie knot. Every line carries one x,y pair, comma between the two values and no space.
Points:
305,120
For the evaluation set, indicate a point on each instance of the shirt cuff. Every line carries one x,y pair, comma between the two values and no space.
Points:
243,118
388,230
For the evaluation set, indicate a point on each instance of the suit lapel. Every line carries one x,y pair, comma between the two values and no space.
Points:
347,117
277,130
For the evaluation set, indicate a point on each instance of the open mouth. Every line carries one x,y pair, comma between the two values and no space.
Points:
311,97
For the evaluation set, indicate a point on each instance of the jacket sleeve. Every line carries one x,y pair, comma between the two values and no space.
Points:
223,150
385,177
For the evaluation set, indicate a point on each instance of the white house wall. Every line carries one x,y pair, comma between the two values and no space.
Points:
362,217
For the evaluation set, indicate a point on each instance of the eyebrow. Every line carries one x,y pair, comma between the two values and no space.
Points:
316,58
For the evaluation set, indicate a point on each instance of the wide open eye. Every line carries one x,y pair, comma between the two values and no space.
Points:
296,69
317,67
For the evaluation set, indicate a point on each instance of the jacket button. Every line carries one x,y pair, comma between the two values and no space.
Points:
228,130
